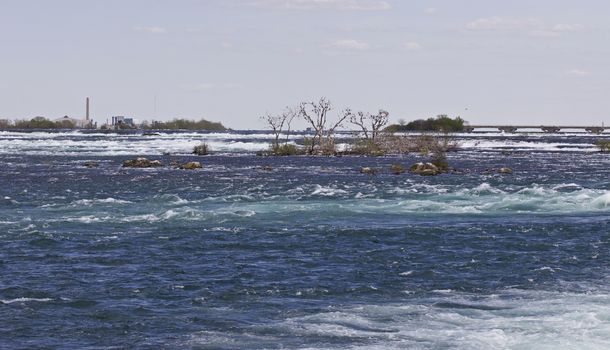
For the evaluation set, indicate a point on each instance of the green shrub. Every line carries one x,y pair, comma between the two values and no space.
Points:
285,150
440,160
366,147
201,150
603,145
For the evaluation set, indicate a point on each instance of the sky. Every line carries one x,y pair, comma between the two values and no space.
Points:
488,61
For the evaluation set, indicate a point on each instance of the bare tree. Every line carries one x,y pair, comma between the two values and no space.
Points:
290,114
316,114
370,124
277,124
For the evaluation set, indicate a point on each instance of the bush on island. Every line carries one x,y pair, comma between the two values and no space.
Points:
366,147
286,149
201,150
603,145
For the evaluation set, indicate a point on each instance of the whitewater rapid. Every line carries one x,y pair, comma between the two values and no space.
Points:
76,143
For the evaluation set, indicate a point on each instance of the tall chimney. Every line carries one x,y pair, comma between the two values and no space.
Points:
87,114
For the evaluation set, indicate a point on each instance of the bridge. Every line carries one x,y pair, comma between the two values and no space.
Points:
544,128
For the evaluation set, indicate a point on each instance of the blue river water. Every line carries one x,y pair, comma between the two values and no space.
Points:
255,252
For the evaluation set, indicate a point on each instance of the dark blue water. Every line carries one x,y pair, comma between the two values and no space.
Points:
309,254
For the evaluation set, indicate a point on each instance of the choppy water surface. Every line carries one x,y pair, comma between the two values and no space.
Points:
311,254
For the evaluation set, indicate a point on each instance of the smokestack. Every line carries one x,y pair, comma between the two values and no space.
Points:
87,114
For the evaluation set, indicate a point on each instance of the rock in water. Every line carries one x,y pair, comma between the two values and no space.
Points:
397,169
505,170
424,169
191,165
141,163
91,164
367,170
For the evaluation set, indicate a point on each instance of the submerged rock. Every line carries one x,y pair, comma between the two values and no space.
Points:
191,165
141,163
397,169
424,169
503,170
266,168
91,164
367,170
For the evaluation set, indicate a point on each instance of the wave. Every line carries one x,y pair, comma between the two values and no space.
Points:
327,191
110,200
315,203
24,300
511,319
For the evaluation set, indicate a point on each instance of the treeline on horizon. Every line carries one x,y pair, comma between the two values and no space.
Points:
441,123
175,124
184,124
37,123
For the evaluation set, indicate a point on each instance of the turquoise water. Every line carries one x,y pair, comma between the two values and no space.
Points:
310,254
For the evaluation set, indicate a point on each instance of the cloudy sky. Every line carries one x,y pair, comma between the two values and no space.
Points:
489,61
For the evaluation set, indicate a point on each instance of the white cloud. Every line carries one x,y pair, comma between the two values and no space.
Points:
533,26
430,10
501,23
358,5
350,44
412,46
577,73
566,27
556,30
153,30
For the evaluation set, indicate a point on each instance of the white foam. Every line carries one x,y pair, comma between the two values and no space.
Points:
327,191
76,143
602,201
485,188
109,200
24,300
514,320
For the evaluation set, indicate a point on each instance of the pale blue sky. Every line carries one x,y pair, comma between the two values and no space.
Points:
515,61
